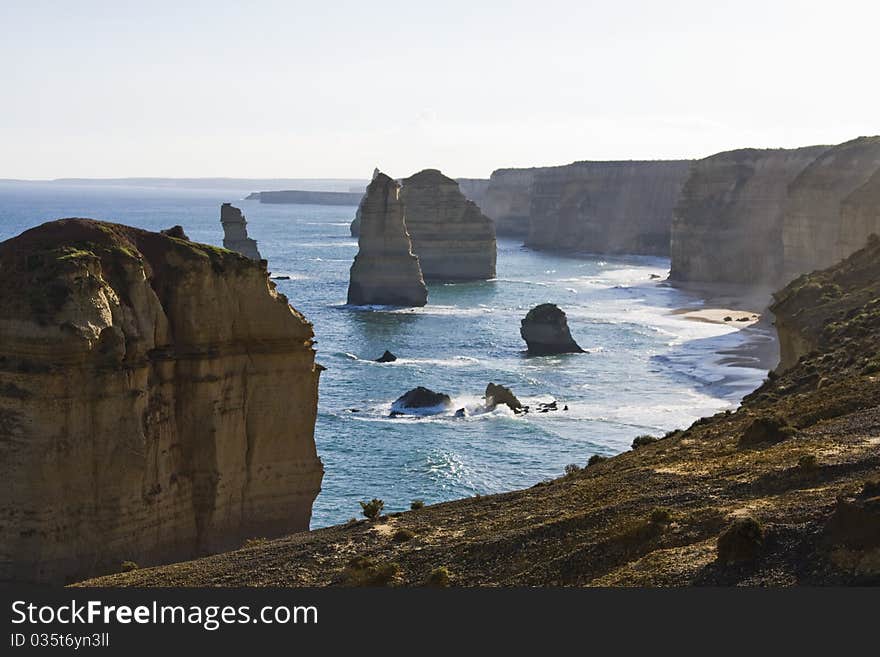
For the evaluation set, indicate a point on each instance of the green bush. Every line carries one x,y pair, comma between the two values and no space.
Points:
438,578
415,505
767,429
596,458
372,509
402,535
364,571
254,542
808,463
742,541
572,469
661,516
641,441
128,566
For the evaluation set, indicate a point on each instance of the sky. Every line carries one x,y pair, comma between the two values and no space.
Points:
332,89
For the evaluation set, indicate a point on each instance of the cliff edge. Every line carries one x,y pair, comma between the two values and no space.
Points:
157,402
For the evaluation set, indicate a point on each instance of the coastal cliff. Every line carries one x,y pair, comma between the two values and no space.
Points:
605,207
508,201
157,402
727,226
783,491
385,270
814,234
451,237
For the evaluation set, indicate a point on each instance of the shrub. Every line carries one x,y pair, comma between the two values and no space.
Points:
871,488
808,462
372,509
767,429
596,458
364,571
415,505
253,542
661,516
402,535
641,441
742,541
572,469
128,566
438,578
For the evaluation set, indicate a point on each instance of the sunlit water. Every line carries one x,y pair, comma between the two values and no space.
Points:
646,370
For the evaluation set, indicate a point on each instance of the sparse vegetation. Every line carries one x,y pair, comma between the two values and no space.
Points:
372,509
438,578
364,571
767,429
641,441
415,505
128,566
572,469
741,542
402,535
596,458
661,516
254,542
808,463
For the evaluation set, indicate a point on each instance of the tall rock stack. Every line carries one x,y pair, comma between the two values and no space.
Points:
385,270
235,237
605,207
157,402
813,230
451,237
728,222
356,222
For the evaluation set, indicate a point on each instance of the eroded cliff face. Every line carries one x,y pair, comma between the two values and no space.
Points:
860,215
474,189
385,270
508,201
157,402
815,234
235,237
451,237
727,226
605,207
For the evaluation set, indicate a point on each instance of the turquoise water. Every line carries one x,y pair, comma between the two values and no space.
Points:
646,370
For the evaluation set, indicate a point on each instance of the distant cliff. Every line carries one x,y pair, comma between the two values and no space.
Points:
605,207
727,226
157,402
300,197
508,201
474,189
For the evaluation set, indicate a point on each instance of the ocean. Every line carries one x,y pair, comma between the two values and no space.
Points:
646,369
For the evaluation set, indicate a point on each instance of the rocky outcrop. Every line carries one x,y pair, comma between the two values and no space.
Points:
451,237
814,233
385,271
235,237
605,207
421,401
508,201
728,223
545,330
497,394
387,357
157,402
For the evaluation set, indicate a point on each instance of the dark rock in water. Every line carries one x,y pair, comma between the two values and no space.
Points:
422,398
461,413
395,414
176,231
387,357
498,394
653,276
545,330
281,278
728,318
743,319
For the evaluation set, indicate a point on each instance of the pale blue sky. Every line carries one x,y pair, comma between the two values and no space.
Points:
332,89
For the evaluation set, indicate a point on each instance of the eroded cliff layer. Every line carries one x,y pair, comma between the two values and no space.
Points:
235,237
451,237
508,201
814,233
605,207
385,271
728,224
783,491
157,402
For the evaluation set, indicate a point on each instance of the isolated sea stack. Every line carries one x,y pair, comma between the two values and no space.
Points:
385,271
355,227
452,238
157,402
545,330
235,237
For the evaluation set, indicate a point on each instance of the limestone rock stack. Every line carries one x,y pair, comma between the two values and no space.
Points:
605,207
814,233
385,270
728,223
451,237
356,222
235,237
545,330
157,402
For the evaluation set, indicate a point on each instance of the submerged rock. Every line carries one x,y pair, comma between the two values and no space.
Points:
498,394
545,330
387,357
235,237
168,398
420,399
385,271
